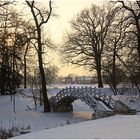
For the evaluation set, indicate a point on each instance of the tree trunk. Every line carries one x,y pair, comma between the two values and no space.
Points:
43,84
138,35
25,66
138,38
42,75
25,85
113,77
99,76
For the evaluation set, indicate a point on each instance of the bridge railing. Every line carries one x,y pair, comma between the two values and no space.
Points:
87,94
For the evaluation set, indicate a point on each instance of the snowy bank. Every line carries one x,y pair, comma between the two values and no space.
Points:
118,127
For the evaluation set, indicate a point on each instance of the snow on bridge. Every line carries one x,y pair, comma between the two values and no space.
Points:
97,99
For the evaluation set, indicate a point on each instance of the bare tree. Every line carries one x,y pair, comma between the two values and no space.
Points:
41,18
4,3
11,45
5,69
51,74
84,46
133,8
29,35
116,44
130,62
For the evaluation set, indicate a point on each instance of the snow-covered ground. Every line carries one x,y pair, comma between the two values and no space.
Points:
115,127
67,125
36,119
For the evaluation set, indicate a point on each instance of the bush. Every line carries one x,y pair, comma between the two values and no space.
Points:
13,131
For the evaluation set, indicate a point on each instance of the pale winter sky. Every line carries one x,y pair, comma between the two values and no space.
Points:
66,10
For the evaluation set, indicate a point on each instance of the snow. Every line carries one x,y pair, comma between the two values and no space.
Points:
118,127
77,125
101,105
36,119
130,100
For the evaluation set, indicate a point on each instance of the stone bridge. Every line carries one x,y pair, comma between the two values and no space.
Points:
98,100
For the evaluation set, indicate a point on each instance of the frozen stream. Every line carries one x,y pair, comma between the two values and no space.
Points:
82,110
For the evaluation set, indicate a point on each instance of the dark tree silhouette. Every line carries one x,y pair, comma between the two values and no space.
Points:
84,45
133,8
115,45
41,18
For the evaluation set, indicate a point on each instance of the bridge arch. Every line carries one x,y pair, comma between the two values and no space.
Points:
91,96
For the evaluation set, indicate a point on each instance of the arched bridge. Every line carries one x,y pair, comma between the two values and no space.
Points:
91,96
96,98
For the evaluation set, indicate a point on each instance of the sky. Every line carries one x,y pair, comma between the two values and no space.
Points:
57,27
66,10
